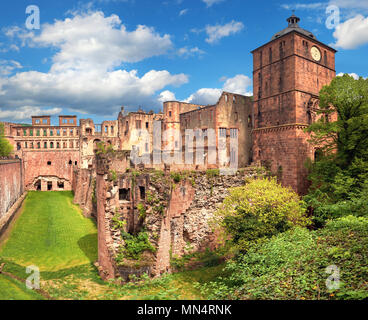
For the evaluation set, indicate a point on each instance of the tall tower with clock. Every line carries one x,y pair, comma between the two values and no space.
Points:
288,73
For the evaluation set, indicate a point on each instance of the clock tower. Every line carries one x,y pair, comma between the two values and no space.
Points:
288,73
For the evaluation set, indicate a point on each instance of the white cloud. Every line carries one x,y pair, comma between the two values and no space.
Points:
85,74
304,6
183,12
217,32
354,75
352,33
8,66
239,84
166,96
93,39
190,52
210,3
207,96
24,113
352,4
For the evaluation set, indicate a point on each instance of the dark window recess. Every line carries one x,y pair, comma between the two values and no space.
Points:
76,163
38,185
61,185
49,163
124,194
142,193
49,186
70,162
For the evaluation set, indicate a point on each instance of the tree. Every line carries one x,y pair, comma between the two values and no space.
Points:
348,136
340,177
259,210
5,147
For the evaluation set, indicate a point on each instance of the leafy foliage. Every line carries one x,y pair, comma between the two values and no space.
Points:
292,265
259,210
340,175
5,147
135,245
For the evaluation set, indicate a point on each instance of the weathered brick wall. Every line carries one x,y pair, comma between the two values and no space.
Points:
61,167
84,187
11,184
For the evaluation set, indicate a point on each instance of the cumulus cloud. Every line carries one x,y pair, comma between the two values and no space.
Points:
352,33
25,112
85,75
207,96
210,3
217,32
239,84
166,96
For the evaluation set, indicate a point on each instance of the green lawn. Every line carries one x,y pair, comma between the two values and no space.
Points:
51,233
11,289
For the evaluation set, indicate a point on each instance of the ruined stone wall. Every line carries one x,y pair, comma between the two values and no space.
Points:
174,209
49,166
11,184
84,188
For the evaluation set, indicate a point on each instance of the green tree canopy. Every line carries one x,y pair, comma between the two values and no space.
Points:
5,147
340,176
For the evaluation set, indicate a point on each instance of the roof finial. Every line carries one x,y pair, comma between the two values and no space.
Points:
293,20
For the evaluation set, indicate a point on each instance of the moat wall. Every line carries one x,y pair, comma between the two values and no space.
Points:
11,186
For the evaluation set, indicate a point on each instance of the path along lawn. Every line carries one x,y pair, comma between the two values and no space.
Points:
52,234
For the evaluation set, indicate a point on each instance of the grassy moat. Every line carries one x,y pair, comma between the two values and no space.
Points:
52,234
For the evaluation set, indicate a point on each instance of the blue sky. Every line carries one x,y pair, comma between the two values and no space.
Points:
90,57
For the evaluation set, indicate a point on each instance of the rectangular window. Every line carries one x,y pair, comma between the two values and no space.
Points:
71,132
44,133
38,133
45,145
223,132
24,133
112,129
51,133
58,132
233,133
44,121
31,133
64,132
138,124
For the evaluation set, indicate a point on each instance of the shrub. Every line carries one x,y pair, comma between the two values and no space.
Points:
292,265
259,210
135,245
5,147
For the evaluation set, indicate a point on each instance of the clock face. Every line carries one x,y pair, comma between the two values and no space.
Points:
316,54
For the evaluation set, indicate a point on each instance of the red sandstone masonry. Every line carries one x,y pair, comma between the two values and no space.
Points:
170,241
11,184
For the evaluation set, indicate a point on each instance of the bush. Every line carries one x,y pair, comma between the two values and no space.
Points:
259,210
5,147
292,265
135,245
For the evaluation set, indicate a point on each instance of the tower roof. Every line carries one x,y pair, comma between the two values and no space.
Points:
293,26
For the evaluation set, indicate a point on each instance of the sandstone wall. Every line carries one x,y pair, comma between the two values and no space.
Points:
177,210
11,184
